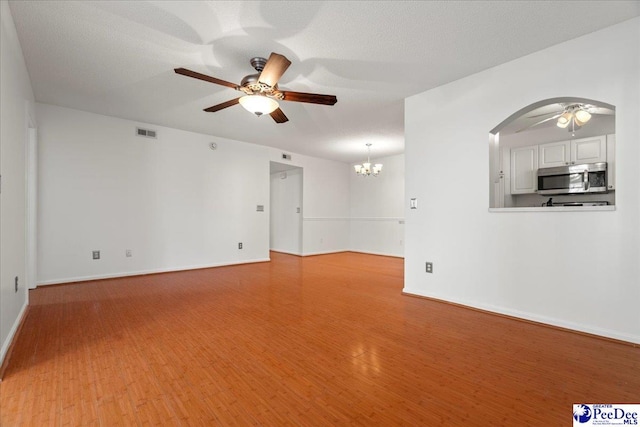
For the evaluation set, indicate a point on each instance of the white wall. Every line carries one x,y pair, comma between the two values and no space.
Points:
16,98
573,269
286,212
175,203
377,209
172,201
325,223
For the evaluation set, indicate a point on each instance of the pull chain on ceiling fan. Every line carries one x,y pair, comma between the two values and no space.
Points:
261,89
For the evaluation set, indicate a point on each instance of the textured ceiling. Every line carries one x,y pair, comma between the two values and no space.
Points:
117,58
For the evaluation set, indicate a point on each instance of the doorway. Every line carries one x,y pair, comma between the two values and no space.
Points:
285,208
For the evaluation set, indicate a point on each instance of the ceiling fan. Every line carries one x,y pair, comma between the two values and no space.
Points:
261,92
572,116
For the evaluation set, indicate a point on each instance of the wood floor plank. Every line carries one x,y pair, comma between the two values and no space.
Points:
314,341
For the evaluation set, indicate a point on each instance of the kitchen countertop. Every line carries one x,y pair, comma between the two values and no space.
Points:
556,209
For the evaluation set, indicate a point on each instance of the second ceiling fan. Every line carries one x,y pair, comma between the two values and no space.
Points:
572,116
261,92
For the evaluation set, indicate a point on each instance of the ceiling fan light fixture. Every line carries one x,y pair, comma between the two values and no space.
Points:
564,120
577,122
259,104
582,117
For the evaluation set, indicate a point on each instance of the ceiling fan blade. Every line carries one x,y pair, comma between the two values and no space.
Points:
312,98
274,69
279,116
545,114
204,77
219,107
539,123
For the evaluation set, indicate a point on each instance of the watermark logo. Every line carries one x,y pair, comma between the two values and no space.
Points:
581,413
605,414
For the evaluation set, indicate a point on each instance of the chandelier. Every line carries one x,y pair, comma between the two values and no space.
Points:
365,168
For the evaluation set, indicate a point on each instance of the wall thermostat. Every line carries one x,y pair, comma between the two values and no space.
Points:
213,145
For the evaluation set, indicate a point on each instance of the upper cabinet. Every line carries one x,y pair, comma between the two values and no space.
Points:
576,151
554,154
589,150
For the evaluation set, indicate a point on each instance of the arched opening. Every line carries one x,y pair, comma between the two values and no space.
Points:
566,133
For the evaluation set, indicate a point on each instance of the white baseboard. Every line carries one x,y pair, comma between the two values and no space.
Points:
285,252
377,253
12,332
143,272
593,330
340,251
325,252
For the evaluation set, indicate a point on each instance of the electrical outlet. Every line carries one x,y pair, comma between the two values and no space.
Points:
128,253
429,267
96,254
240,245
16,285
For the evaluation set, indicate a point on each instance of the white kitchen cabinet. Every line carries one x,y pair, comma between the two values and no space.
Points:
589,150
573,152
524,164
554,154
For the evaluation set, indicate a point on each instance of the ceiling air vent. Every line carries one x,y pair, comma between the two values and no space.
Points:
286,156
146,133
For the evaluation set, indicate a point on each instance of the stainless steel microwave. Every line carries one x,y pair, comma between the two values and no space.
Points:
573,179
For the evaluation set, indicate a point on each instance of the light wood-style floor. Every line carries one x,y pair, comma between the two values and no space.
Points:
318,341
